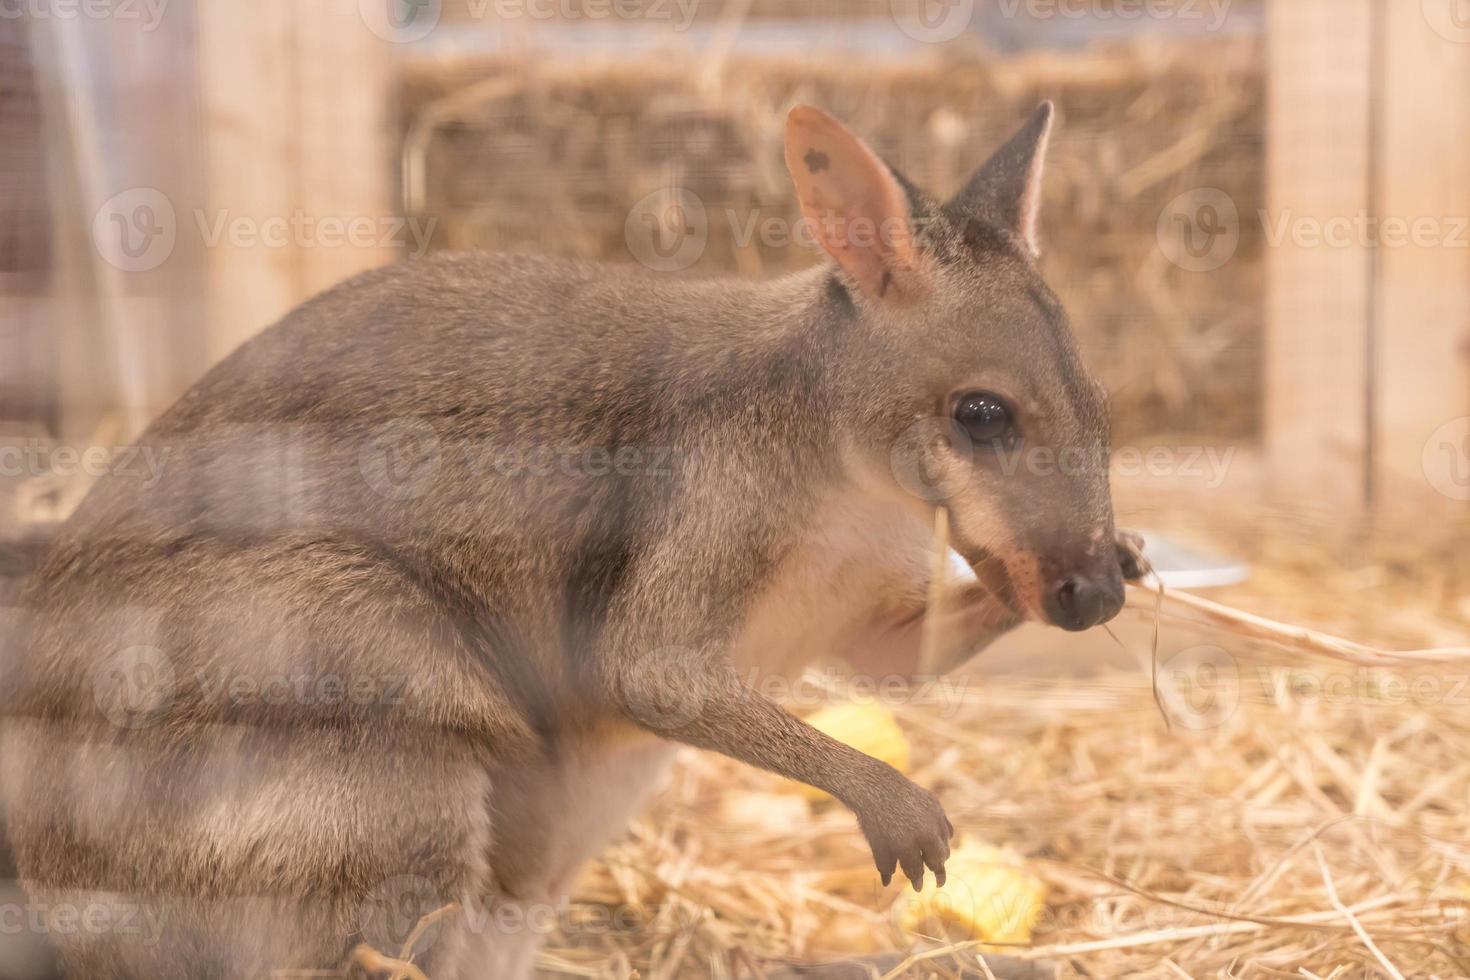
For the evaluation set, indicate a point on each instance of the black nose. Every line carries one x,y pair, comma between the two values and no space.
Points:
1078,603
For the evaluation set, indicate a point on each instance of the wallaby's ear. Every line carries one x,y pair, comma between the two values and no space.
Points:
854,204
1006,191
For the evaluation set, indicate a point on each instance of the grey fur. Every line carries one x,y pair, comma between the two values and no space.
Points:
611,469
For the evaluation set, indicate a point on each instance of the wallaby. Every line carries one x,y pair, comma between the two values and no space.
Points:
442,565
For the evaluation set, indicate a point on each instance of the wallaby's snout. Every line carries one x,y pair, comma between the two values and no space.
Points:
1085,595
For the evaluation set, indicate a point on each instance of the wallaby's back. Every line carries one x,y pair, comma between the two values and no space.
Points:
390,493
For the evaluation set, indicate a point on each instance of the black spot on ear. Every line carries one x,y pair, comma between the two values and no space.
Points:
816,161
883,286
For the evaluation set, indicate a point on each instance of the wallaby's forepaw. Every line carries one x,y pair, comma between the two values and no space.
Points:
906,828
1130,554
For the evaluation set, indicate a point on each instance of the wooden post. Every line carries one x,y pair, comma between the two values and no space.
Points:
1368,313
295,100
1421,350
1318,301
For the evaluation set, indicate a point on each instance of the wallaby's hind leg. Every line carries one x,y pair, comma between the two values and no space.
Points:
308,769
270,856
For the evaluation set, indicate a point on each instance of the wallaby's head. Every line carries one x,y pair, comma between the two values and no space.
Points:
959,381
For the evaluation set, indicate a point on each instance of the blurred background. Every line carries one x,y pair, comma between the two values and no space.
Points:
1256,211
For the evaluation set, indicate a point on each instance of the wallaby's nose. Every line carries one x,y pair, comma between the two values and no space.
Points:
1078,603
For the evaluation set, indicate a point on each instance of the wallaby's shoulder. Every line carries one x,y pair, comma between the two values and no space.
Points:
463,322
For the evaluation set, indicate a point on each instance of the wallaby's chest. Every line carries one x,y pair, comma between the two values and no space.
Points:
861,563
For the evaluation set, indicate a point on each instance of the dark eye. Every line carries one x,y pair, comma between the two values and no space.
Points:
985,417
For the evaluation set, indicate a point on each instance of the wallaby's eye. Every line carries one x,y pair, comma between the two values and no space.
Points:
985,417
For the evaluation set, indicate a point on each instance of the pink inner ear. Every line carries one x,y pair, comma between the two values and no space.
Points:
853,205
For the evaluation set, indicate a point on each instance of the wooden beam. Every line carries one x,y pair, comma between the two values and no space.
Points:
1421,363
294,98
1318,301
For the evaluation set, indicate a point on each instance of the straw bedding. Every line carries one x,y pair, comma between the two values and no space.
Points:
1296,817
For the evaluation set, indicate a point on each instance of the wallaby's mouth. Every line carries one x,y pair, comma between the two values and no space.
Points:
993,580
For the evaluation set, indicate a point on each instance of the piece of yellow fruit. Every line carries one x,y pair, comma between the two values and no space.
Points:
990,896
868,727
